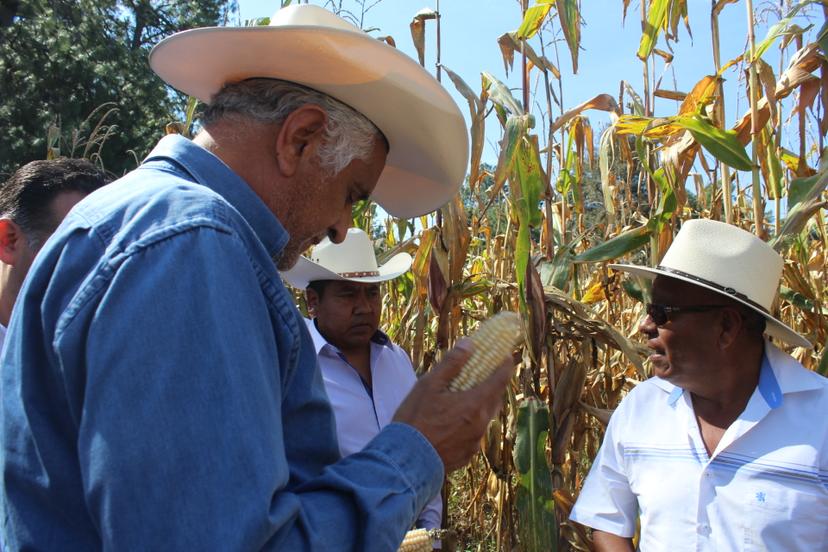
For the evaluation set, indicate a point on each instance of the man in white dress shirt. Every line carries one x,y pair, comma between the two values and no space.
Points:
727,447
366,375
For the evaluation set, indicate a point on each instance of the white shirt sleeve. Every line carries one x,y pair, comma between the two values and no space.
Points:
606,501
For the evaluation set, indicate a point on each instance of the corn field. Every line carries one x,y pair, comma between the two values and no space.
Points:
535,232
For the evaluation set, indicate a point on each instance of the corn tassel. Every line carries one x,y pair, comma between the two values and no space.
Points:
416,540
494,341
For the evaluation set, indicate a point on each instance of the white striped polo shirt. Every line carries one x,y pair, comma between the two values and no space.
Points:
764,488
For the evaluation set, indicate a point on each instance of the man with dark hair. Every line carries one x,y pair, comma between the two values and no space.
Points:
160,388
366,375
33,202
726,448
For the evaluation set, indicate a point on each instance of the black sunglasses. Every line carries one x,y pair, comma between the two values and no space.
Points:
662,313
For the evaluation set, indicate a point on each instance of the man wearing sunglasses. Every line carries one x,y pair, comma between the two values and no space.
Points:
727,447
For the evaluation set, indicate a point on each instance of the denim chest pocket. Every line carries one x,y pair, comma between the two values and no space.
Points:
779,518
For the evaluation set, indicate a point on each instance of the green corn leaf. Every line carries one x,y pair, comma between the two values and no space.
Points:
799,189
807,204
558,272
822,367
724,145
500,94
618,246
656,18
516,127
822,40
779,29
796,299
532,20
570,20
536,510
633,289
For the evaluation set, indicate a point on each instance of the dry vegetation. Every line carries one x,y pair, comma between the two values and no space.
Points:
522,237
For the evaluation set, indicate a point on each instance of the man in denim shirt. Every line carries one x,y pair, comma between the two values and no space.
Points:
159,388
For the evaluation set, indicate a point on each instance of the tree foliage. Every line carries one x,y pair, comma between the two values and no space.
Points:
61,60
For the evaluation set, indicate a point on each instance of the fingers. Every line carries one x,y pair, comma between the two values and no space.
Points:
451,364
489,392
499,379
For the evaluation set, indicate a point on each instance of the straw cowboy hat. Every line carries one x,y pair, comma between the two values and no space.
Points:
311,46
352,260
730,261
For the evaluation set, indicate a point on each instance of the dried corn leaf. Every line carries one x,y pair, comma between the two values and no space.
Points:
417,27
509,44
768,81
601,102
701,95
719,6
803,62
477,112
601,414
583,325
605,153
670,94
438,285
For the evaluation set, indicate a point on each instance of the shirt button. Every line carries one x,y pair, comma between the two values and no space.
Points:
704,529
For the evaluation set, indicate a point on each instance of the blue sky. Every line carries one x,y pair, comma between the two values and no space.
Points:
470,29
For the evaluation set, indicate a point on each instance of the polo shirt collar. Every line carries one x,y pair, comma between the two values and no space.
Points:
776,378
210,171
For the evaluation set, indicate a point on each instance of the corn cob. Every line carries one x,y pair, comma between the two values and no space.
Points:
416,540
493,342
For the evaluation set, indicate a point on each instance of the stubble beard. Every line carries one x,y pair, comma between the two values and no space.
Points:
288,258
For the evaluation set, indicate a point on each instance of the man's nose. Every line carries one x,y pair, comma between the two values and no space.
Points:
646,326
363,304
339,230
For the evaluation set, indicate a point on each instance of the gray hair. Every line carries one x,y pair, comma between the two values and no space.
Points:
348,134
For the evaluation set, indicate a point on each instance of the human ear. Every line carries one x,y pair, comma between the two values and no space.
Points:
731,324
312,300
299,136
10,236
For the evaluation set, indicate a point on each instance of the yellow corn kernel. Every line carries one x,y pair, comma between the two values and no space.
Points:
416,540
493,342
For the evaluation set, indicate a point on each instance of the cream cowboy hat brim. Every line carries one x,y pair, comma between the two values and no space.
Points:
309,45
774,327
306,271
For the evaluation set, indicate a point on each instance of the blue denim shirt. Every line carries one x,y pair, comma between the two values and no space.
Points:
160,390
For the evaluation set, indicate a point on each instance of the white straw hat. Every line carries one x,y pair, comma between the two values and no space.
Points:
311,46
352,260
730,261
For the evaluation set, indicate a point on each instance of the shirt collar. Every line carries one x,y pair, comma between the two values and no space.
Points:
790,376
211,172
319,341
776,378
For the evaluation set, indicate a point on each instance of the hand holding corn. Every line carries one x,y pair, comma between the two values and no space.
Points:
454,421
